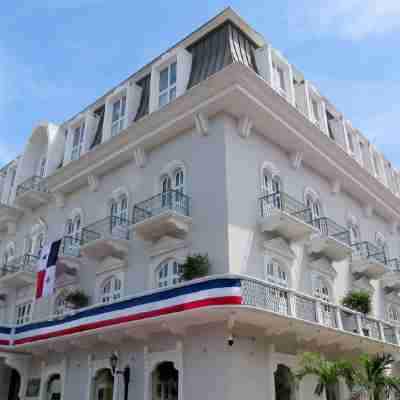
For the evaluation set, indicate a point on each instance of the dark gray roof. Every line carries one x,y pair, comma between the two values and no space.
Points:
223,46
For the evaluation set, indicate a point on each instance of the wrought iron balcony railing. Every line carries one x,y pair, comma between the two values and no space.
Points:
167,201
284,202
26,263
330,228
70,246
107,228
394,264
35,183
369,251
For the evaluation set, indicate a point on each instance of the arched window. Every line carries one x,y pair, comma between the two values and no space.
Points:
277,274
74,227
315,206
179,181
60,306
271,183
393,314
285,385
111,290
165,382
168,274
9,254
103,385
322,290
54,387
119,211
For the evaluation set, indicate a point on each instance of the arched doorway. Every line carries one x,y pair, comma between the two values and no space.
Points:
53,389
285,388
15,385
103,385
165,382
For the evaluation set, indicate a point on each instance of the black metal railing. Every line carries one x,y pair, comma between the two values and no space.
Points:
394,264
171,200
109,227
27,262
330,228
369,251
35,183
70,246
284,202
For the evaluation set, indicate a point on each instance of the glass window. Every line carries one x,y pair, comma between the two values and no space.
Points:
277,274
376,165
167,85
111,290
168,274
23,313
315,207
77,142
119,211
118,115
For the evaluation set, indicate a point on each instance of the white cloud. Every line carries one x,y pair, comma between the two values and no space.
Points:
350,19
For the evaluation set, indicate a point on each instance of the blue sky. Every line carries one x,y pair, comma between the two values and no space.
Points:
57,56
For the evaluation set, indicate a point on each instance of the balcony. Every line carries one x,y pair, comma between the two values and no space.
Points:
332,240
166,214
368,260
292,318
9,216
69,255
32,193
286,216
391,278
106,238
19,272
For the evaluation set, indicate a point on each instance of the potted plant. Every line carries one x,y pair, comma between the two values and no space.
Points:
77,299
195,266
359,301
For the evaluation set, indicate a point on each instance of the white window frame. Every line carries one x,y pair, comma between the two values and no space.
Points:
119,124
78,148
169,92
167,274
26,317
41,171
277,273
114,294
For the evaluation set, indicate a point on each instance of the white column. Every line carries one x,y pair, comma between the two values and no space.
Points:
271,366
90,377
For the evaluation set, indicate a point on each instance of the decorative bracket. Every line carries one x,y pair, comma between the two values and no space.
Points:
94,183
244,126
140,157
201,122
296,159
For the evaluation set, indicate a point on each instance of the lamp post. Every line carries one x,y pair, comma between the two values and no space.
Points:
126,374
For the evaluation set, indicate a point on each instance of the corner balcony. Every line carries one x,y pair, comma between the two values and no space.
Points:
332,240
9,216
166,214
285,216
106,238
32,193
368,260
391,278
293,319
70,252
19,272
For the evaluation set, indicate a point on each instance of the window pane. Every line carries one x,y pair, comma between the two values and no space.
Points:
163,79
172,78
123,106
172,94
115,113
163,100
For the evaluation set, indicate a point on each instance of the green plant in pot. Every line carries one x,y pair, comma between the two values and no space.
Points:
77,299
358,301
195,266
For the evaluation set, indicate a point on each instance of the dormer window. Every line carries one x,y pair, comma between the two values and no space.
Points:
118,115
350,142
315,111
376,165
279,78
167,86
78,141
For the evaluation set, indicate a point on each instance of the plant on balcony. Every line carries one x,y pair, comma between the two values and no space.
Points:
359,301
77,299
329,373
195,266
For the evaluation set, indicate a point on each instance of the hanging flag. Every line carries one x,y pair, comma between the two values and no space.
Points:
46,270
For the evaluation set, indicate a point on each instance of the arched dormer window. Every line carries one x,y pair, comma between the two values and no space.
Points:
173,186
111,290
168,274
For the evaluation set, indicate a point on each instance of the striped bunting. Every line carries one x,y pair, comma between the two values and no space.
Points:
5,336
223,291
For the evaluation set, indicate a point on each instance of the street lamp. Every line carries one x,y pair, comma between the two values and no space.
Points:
126,373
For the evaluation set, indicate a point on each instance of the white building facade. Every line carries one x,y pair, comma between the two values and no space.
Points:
221,147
